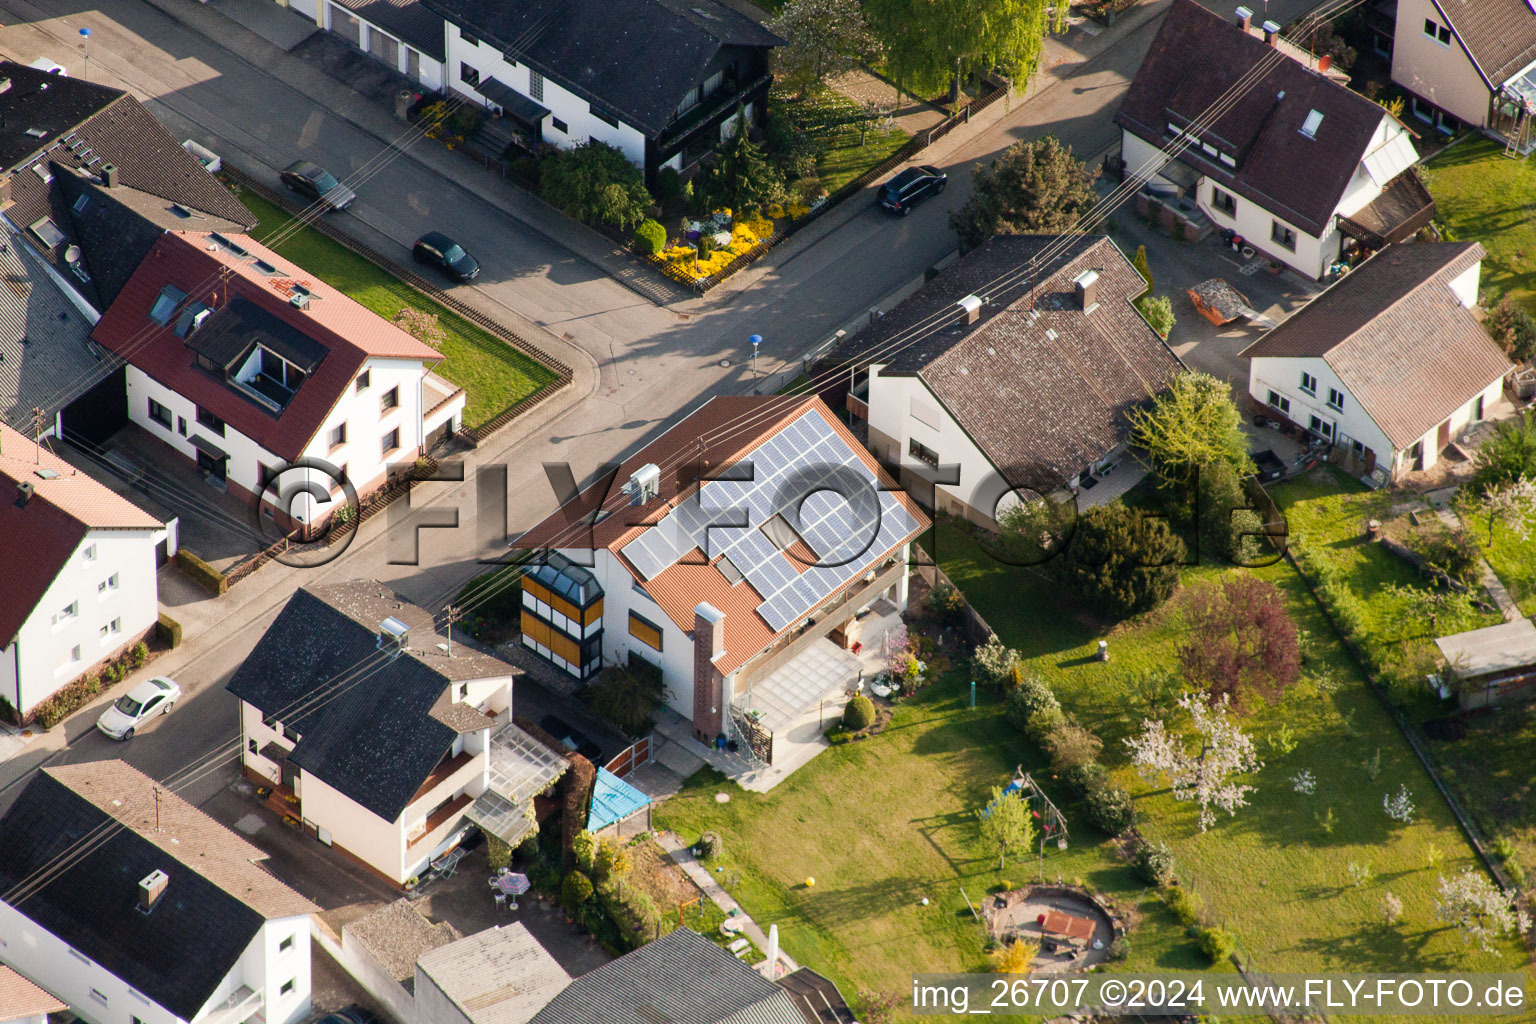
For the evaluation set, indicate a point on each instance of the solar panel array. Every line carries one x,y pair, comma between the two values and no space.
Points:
810,476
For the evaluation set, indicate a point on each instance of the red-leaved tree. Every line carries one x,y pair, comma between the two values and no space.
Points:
1242,640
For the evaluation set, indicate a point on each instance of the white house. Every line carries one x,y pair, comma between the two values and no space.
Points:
246,364
708,567
659,81
1465,63
1013,389
1297,165
405,36
395,767
1390,364
167,919
84,588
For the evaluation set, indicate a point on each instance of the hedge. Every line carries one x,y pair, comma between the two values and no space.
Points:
69,699
203,574
168,631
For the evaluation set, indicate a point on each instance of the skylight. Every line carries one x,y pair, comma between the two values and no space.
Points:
1315,120
165,304
46,231
81,202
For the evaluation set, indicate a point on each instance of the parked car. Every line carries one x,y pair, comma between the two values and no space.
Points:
911,187
315,182
445,254
150,698
53,67
572,738
353,1014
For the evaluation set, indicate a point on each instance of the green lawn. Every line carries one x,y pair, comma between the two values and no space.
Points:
493,375
1484,195
827,118
1513,559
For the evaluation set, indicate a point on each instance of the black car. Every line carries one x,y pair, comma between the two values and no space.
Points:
571,738
353,1014
315,182
446,255
911,187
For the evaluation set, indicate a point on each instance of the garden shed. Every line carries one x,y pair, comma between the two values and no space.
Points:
1494,665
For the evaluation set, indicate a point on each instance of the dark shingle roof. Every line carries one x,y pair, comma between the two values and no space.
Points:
371,735
411,20
178,953
681,978
1195,59
1041,387
1402,343
1499,34
635,60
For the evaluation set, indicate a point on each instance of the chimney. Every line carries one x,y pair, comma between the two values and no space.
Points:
1271,33
109,175
1086,287
24,491
393,636
151,888
708,684
1244,18
970,306
1324,63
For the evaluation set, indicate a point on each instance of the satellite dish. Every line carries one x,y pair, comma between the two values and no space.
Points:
72,254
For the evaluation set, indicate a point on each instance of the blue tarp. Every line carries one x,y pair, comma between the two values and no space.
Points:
613,800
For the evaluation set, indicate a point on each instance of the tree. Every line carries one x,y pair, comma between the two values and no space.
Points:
1242,640
1158,311
1006,824
873,116
1206,775
1016,957
1122,561
1035,186
1427,604
929,45
822,38
1513,328
994,663
1192,425
1139,261
575,891
1480,910
1323,40
1507,455
421,325
742,178
594,182
627,697
1514,505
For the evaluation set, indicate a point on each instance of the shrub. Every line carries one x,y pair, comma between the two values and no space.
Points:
1507,455
584,849
1184,905
1110,809
497,853
1122,561
1154,864
1119,948
837,735
650,237
628,696
1218,944
1071,745
706,245
596,183
1158,311
527,168
1452,552
1044,722
139,654
1029,697
947,603
994,663
66,701
635,914
168,631
575,891
669,184
1513,328
203,574
1084,778
859,713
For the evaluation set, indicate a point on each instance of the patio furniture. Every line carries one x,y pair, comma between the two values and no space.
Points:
501,901
510,883
448,863
739,947
730,926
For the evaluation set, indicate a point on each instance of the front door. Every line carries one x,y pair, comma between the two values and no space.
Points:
1443,436
211,466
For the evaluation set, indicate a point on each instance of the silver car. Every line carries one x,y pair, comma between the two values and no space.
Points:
150,698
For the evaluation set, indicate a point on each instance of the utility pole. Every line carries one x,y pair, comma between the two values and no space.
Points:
157,808
38,416
454,615
85,48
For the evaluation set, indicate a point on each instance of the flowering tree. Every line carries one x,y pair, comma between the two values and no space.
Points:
1399,807
1480,910
822,38
1514,505
1204,775
1391,909
1304,782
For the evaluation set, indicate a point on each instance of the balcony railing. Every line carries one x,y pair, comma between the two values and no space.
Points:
241,1006
729,95
438,824
442,773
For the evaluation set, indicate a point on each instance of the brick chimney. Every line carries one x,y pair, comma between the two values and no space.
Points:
708,644
1086,287
151,887
1244,18
1271,33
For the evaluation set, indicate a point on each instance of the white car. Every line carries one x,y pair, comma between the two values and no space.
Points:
53,67
152,697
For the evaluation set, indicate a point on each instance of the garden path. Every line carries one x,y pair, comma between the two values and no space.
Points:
1491,581
705,880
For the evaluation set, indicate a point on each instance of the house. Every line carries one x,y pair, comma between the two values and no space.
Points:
245,364
402,34
1029,356
22,1002
55,130
737,559
660,80
88,591
127,902
1492,665
1464,63
498,976
1293,162
385,738
1389,364
680,976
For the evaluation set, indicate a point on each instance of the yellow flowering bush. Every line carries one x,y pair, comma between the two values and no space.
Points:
775,211
797,210
761,227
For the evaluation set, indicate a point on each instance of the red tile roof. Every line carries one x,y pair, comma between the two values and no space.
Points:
44,533
211,274
20,998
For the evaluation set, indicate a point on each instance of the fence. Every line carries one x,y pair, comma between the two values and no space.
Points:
974,628
631,757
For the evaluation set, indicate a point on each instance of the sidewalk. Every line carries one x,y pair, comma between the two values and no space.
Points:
683,857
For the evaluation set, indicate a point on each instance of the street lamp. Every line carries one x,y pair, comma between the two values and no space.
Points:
85,48
756,340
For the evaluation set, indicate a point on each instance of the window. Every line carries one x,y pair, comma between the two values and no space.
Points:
110,630
1320,426
922,452
66,613
1309,383
89,554
1335,398
165,304
107,586
1439,33
646,631
209,420
135,1020
1224,201
160,414
290,733
1282,235
265,475
559,126
390,400
1230,161
468,74
1358,447
99,997
341,474
1313,122
362,381
181,425
338,436
604,117
535,85
390,442
286,988
712,84
286,944
469,40
69,660
1278,401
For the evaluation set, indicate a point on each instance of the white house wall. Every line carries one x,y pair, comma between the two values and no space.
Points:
433,1005
365,835
1282,374
263,967
571,109
40,645
620,595
1443,75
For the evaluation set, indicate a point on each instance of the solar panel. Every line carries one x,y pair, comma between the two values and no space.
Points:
651,552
